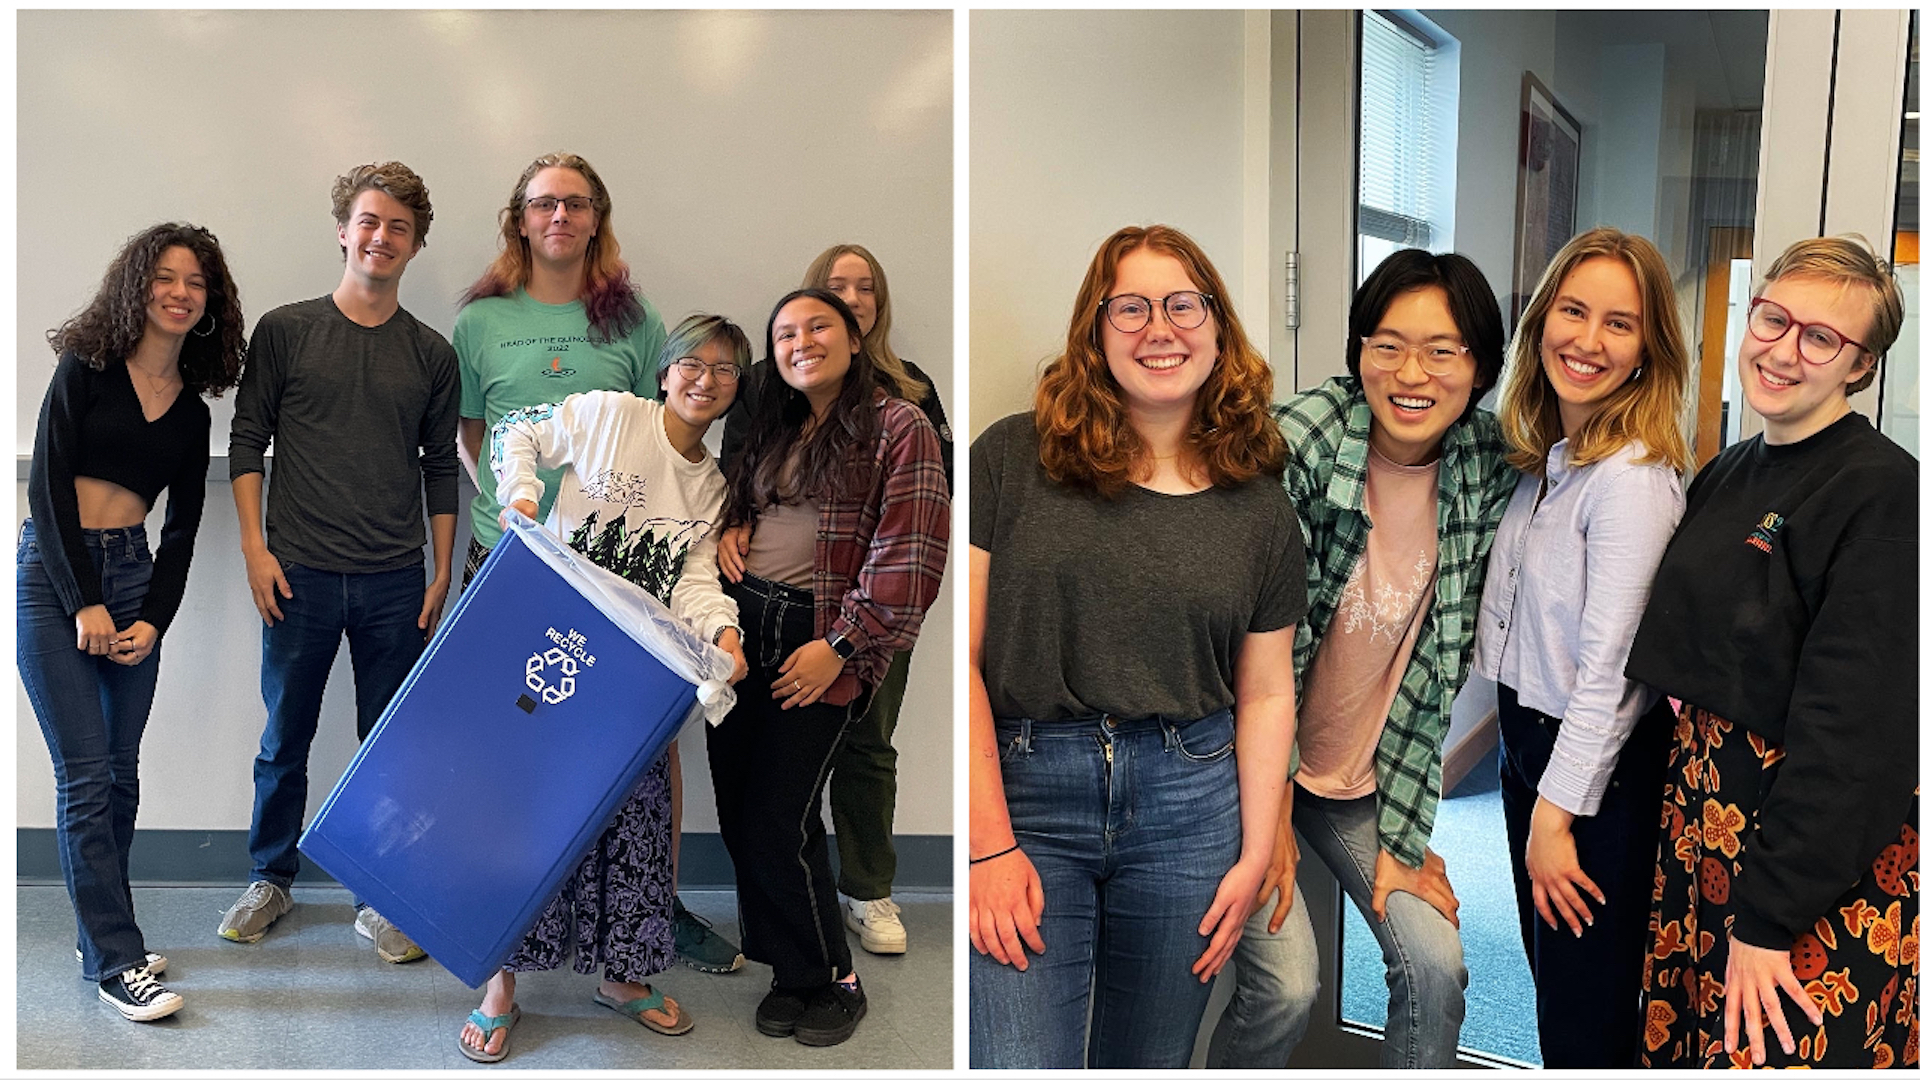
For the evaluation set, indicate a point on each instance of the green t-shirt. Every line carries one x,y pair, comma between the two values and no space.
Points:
516,352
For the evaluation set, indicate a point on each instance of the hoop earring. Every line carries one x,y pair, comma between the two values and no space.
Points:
210,329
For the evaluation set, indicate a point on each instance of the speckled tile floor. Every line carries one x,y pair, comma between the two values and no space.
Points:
313,995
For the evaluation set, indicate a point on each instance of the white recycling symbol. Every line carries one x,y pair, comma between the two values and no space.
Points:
540,670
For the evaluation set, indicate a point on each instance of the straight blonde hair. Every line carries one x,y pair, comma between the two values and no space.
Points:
892,368
1645,409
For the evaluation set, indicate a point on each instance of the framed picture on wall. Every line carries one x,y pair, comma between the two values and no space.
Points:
1548,185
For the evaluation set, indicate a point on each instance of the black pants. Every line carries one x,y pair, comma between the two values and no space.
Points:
769,768
1587,989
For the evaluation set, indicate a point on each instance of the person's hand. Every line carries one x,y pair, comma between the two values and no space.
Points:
1226,919
436,600
94,630
1004,902
525,506
263,578
1429,883
733,552
1283,867
730,641
1554,866
807,673
1753,974
133,644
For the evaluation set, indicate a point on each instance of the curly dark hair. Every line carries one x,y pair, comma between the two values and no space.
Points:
836,458
109,329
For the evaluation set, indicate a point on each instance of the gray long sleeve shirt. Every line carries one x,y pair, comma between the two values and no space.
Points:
359,417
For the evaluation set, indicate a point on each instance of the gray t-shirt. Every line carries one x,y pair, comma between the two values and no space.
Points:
360,418
1133,606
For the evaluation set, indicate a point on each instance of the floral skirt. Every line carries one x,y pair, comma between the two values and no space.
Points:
1858,962
616,909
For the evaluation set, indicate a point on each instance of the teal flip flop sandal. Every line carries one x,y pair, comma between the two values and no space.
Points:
490,1024
638,1007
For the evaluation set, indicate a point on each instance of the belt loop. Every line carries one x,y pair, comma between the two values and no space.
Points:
1024,741
1166,735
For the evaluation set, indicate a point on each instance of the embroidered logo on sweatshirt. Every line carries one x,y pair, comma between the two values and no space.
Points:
1767,533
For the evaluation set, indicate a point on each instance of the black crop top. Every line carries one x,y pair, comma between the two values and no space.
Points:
91,424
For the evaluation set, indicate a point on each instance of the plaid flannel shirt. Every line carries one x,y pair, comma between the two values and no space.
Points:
1326,430
878,561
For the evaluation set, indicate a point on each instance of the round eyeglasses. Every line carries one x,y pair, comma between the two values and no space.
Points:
1130,313
691,370
1818,343
1437,358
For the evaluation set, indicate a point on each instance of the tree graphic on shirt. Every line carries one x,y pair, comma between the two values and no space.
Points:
651,555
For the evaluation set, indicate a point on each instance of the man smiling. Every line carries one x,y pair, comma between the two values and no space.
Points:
359,401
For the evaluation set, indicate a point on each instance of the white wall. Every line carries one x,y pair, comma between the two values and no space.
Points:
736,146
1084,122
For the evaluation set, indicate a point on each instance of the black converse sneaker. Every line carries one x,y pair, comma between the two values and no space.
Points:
139,996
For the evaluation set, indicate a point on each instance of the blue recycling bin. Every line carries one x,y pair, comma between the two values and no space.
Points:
503,756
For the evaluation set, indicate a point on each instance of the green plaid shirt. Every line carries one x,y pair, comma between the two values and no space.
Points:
1326,430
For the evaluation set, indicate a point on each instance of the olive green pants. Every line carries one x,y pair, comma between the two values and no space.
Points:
865,781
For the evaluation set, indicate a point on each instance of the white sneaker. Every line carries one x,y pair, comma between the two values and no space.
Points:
878,924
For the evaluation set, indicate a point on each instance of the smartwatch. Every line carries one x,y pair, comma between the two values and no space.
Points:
840,645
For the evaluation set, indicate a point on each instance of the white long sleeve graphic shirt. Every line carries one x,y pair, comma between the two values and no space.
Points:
628,500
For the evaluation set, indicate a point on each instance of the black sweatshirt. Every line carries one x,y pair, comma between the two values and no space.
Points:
1787,603
91,424
359,416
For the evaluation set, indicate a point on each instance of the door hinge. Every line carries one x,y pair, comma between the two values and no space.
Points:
1293,290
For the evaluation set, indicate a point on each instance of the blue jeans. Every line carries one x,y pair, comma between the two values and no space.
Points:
1277,975
380,615
91,711
1131,824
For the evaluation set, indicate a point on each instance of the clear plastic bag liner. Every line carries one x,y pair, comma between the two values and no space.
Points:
641,617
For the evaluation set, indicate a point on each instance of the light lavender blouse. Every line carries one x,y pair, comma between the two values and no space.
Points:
1566,582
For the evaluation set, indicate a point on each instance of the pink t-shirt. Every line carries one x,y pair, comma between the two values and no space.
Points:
1356,671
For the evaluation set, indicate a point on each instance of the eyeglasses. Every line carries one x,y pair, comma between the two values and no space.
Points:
1439,359
691,370
1130,314
545,204
1818,344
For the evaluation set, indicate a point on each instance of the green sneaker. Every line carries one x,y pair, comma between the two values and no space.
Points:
701,948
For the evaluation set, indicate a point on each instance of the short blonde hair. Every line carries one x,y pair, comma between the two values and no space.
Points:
1847,261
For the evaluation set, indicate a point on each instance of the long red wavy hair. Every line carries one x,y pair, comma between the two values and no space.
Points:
1085,438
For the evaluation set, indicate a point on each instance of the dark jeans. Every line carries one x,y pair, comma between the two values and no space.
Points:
1130,824
769,765
866,780
1587,989
91,711
380,615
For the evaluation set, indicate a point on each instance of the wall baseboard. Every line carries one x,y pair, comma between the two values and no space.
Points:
219,857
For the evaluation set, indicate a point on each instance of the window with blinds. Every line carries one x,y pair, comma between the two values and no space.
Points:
1399,159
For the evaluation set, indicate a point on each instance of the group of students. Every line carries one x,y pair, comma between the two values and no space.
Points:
810,553
1204,629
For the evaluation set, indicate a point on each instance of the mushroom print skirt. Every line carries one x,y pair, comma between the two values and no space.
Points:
616,909
1857,962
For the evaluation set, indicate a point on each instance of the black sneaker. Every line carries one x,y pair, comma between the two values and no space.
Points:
778,1011
832,1013
139,996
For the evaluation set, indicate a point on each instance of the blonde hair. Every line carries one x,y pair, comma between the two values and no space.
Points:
1847,261
1646,408
875,340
